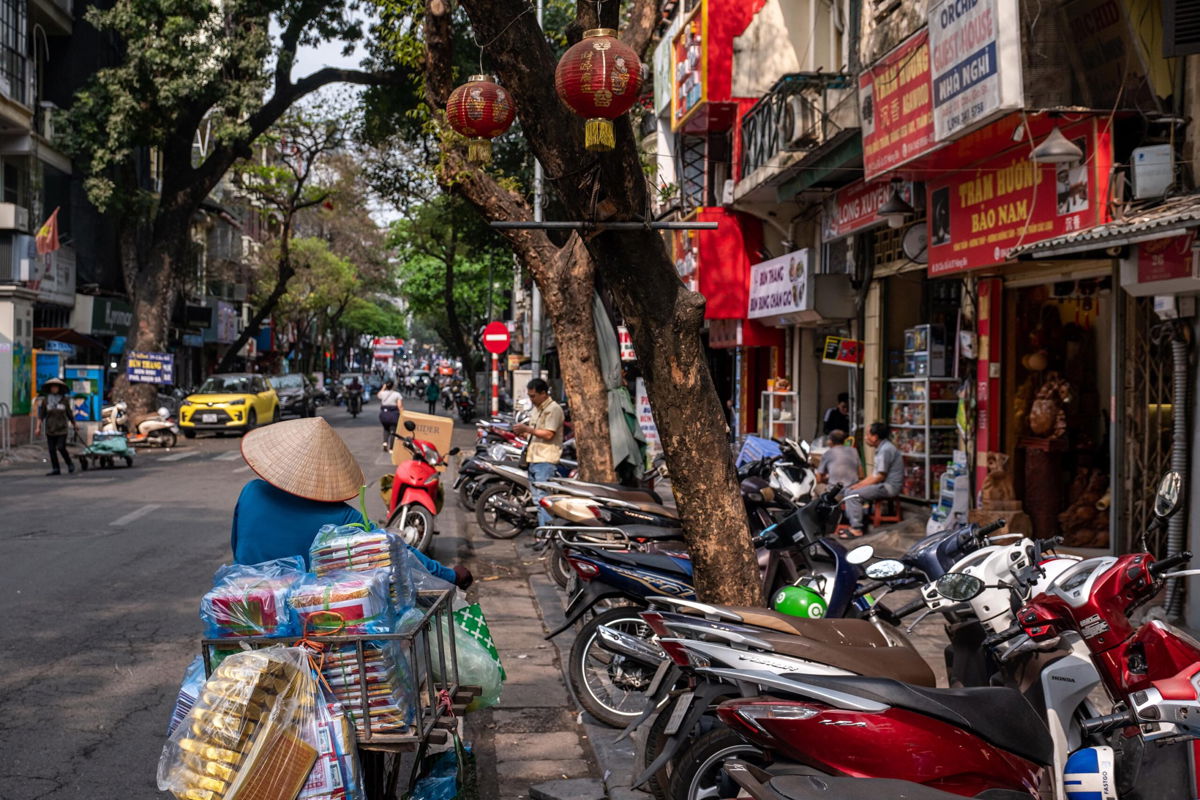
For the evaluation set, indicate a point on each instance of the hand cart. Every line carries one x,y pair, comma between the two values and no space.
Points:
438,698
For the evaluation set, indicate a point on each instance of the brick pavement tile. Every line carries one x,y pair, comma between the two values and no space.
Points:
542,746
532,720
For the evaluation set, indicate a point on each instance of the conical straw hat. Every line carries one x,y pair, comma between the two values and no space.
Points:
304,457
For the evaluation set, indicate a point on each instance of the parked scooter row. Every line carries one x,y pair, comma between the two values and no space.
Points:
159,430
1035,734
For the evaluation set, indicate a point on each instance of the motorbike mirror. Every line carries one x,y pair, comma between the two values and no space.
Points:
958,586
882,570
454,451
1169,498
861,554
409,425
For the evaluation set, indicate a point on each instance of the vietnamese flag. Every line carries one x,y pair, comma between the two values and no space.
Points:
47,235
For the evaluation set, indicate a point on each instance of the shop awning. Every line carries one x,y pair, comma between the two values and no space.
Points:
1171,218
67,335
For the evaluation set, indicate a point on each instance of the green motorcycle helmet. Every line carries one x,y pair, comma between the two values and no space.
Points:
799,601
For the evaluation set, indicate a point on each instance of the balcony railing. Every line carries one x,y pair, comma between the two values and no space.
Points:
802,111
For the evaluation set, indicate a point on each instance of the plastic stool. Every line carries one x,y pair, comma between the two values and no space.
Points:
842,528
886,509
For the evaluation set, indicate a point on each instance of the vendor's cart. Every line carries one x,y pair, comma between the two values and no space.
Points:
106,449
438,698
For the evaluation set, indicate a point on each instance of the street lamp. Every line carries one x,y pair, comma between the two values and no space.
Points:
896,210
1056,149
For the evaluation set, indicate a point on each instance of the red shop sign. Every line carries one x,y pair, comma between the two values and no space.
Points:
978,215
1165,259
855,207
897,107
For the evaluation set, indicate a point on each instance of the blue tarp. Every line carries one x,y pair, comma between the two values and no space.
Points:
756,448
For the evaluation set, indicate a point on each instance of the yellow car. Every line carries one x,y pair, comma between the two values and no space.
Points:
235,402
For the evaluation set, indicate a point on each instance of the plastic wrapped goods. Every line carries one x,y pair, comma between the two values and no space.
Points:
344,602
349,547
389,685
252,600
336,774
251,733
189,690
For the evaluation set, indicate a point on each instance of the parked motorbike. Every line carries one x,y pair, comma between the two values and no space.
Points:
159,430
1151,672
415,494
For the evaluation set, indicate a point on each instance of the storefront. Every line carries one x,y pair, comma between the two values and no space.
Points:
1045,334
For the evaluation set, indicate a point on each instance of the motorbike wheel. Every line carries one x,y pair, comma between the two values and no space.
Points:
607,685
165,438
494,522
698,771
467,495
418,526
651,742
557,566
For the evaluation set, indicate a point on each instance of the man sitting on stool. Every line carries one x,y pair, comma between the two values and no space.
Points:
885,479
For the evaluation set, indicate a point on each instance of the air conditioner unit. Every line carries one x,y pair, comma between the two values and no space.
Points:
799,129
13,217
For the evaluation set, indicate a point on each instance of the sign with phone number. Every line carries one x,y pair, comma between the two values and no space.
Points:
150,367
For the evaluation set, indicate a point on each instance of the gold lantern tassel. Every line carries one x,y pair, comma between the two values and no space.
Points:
479,151
598,135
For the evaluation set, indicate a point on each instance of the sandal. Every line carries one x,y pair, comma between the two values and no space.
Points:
851,534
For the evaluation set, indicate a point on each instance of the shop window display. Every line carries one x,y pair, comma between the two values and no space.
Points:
1060,394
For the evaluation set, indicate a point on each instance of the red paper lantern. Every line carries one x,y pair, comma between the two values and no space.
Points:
599,79
481,111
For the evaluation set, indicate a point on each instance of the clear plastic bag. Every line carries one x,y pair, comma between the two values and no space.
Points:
251,600
189,690
336,774
389,685
422,579
350,548
251,732
344,602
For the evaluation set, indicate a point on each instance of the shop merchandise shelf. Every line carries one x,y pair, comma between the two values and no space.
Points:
923,402
924,427
925,446
927,455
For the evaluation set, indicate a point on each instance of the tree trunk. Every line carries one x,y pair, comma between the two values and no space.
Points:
149,279
663,316
565,276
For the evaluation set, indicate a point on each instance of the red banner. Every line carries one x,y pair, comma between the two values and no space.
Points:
897,107
978,215
855,207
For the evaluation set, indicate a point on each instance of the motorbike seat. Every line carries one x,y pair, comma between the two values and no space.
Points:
652,532
884,658
614,490
821,787
649,561
648,508
1000,715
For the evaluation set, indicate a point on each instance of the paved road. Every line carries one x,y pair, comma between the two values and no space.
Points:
100,578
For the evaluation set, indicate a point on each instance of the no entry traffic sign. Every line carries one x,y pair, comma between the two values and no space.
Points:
495,337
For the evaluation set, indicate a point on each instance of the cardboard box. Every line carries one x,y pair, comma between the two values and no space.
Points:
431,428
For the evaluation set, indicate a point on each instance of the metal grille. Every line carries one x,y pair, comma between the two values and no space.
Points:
1147,401
692,156
887,245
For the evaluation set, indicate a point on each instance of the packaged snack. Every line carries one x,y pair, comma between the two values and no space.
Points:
189,690
252,600
344,602
389,685
350,548
250,733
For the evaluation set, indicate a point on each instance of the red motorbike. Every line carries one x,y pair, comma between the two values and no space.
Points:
416,494
966,742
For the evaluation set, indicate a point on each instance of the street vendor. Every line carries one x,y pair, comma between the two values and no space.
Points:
306,475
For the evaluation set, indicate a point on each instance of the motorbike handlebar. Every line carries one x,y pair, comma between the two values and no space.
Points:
1108,722
1003,636
867,588
758,541
988,530
1048,544
1169,563
905,610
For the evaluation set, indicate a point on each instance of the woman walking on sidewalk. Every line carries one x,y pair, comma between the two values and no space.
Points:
54,411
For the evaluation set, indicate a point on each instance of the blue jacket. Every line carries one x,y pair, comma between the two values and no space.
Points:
269,523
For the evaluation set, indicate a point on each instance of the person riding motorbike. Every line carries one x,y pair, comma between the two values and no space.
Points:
306,474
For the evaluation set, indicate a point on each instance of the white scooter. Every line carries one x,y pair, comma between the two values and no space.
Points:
159,430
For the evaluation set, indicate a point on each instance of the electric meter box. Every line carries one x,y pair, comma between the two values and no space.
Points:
1152,170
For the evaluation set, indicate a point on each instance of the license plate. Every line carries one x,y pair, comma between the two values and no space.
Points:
208,418
681,707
